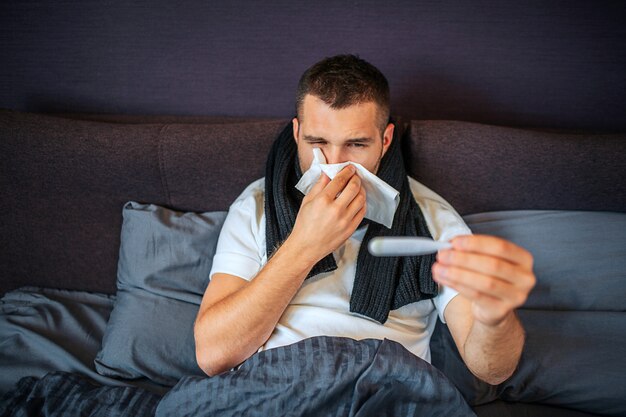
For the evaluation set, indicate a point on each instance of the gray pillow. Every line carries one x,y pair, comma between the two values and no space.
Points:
164,263
574,319
580,256
572,359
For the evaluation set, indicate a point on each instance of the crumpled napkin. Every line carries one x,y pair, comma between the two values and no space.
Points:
381,199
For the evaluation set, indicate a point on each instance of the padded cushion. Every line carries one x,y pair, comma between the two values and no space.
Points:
479,168
573,359
65,181
575,351
579,257
44,330
206,167
163,271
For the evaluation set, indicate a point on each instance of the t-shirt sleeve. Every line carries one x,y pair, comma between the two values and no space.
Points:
446,294
444,223
451,224
240,247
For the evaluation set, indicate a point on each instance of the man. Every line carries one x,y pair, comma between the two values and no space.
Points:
263,292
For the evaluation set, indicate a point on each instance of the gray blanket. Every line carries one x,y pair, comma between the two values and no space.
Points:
321,376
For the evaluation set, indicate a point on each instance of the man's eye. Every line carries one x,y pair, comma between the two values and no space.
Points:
357,145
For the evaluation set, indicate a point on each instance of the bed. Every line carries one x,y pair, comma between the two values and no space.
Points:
88,321
115,114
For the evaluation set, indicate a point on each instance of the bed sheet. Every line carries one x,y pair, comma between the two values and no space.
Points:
45,330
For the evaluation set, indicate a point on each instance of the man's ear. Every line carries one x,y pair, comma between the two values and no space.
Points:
387,137
296,128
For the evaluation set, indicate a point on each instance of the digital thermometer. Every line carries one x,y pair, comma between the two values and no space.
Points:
405,246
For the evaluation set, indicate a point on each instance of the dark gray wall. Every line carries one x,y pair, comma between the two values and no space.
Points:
529,63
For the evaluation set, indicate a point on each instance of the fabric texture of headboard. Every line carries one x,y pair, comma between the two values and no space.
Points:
80,173
486,168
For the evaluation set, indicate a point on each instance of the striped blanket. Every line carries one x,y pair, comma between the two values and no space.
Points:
320,376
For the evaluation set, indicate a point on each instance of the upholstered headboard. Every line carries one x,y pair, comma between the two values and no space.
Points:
64,181
481,167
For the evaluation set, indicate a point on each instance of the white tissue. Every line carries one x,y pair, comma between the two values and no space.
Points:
381,199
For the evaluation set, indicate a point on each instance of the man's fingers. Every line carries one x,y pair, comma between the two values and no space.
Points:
321,183
487,265
350,191
476,283
486,308
494,246
471,294
340,181
357,203
494,274
358,217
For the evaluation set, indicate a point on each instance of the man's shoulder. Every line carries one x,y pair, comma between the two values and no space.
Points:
249,206
443,220
253,193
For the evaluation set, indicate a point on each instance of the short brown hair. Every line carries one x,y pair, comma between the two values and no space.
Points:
345,80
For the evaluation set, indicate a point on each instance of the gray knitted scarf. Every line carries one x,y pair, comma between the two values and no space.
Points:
381,284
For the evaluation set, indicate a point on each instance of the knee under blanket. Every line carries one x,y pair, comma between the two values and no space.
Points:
322,376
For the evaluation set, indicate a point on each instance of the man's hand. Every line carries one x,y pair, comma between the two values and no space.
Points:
494,274
493,277
329,215
237,316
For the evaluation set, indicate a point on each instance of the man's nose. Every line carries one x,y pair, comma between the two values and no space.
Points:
335,155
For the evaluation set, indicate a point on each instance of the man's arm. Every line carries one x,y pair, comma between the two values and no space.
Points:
493,277
237,317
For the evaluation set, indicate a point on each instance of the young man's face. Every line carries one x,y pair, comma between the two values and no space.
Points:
348,134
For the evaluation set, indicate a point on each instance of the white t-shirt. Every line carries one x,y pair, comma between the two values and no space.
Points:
322,305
